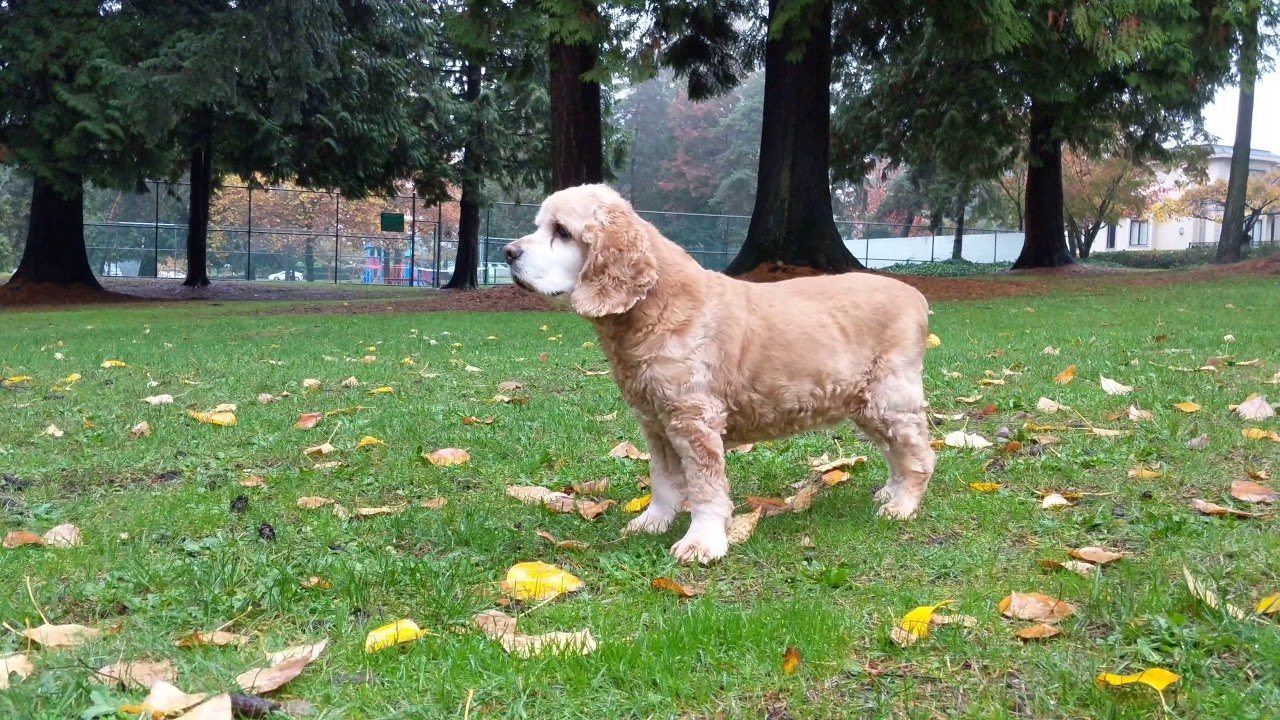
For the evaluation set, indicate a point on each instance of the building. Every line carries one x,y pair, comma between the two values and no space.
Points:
1183,233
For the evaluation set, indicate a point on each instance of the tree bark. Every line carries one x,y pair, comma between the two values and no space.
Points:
467,260
792,221
1045,242
1233,238
310,258
198,210
957,245
577,133
55,251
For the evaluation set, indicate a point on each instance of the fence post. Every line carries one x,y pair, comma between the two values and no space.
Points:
337,233
995,249
156,254
435,272
484,257
866,255
413,238
933,247
248,254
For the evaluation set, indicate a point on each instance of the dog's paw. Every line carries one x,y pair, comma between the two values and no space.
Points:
703,548
883,495
899,508
650,523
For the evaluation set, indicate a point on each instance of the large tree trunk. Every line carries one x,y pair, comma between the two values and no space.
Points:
468,258
198,211
1233,238
577,132
1045,243
55,251
792,221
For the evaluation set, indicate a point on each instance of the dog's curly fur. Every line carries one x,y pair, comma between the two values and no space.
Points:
708,361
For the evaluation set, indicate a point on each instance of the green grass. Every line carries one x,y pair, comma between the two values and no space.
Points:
164,555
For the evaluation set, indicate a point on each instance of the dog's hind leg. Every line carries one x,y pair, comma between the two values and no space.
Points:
894,419
666,481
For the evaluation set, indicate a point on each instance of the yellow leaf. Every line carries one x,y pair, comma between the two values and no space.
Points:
932,341
638,504
1269,605
223,419
448,456
70,379
1158,678
1039,632
1210,597
538,581
1254,434
790,661
1066,376
1143,473
18,379
1187,407
984,487
381,390
113,364
914,626
390,635
369,441
834,477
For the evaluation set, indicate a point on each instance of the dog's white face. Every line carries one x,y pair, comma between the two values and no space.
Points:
549,261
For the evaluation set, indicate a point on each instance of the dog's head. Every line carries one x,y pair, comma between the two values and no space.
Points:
589,247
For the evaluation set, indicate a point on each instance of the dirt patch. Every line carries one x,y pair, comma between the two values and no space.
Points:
34,295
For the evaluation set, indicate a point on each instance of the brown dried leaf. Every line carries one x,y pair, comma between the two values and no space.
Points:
216,638
1243,490
433,503
1209,597
1035,606
562,544
768,506
1199,442
790,661
683,591
141,430
1255,408
17,664
1038,632
61,636
63,536
629,451
590,510
590,487
448,456
844,463
1144,473
1096,555
1209,508
1075,566
264,680
502,627
141,675
321,449
18,538
254,481
530,494
743,526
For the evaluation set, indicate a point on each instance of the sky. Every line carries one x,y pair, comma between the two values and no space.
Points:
1220,117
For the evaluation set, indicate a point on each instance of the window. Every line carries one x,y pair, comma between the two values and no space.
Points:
1111,237
1273,225
1139,233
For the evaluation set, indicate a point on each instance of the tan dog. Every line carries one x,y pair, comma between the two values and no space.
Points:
708,361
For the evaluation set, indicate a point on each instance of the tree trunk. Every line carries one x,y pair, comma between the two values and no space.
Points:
467,260
1045,243
198,211
1073,236
957,245
1088,237
55,251
577,132
1233,238
792,221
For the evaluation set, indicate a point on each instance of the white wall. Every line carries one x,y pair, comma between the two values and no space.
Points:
978,248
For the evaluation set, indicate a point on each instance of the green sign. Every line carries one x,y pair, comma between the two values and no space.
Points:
392,222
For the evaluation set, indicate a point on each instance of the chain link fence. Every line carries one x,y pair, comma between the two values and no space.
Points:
297,235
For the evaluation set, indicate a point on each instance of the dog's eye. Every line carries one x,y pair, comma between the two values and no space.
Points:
559,232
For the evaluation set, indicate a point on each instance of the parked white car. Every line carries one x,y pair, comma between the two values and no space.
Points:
282,275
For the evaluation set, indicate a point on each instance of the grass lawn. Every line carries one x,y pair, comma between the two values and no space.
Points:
172,541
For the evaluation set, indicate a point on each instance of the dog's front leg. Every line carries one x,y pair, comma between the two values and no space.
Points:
666,480
695,436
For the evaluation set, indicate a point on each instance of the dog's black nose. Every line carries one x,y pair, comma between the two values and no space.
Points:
512,252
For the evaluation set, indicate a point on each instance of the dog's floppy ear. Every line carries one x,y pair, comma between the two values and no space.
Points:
620,269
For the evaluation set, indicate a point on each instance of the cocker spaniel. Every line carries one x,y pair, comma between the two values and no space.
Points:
707,361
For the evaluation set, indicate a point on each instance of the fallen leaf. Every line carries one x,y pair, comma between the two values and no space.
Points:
310,652
321,449
316,582
1255,409
989,382
1046,439
1035,606
113,364
502,627
369,359
672,586
1187,407
18,538
1039,632
368,512
264,680
1051,351
1075,566
510,386
984,487
313,503
266,398
448,456
368,441
254,481
63,536
53,431
165,699
530,494
1210,597
1209,508
938,620
224,408
306,421
742,449
311,384
384,390
1111,387
223,419
791,660
158,399
769,506
472,368
1228,338
61,636
1107,432
433,503
1157,678
627,450
834,477
590,487
962,439
17,664
1044,404
742,527
217,707
803,500
141,675
1248,433
843,463
1144,473
969,400
538,581
1199,442
1269,605
472,420
1065,376
216,638
141,430
1246,491
16,380
562,544
1096,555
1138,415
638,504
914,626
932,341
